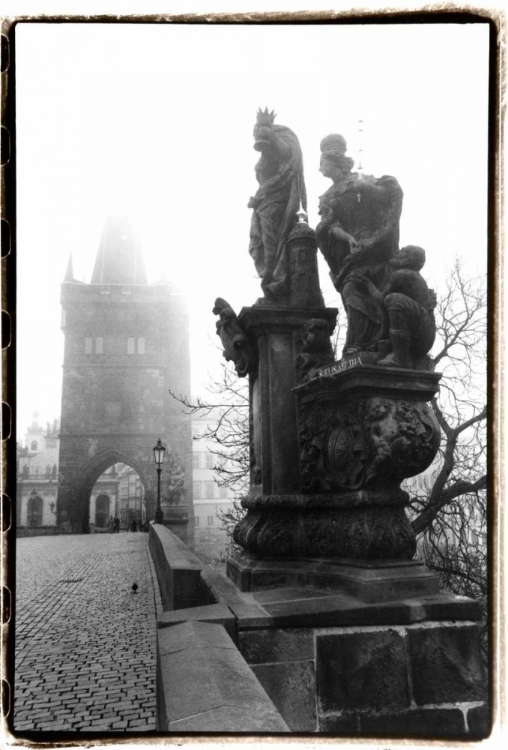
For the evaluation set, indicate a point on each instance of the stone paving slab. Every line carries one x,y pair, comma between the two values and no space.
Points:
85,646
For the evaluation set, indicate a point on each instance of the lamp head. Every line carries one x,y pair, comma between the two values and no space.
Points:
159,452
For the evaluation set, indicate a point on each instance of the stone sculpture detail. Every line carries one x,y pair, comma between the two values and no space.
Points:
367,444
408,305
358,234
234,340
279,172
317,351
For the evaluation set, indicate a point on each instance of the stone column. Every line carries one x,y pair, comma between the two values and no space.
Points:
276,334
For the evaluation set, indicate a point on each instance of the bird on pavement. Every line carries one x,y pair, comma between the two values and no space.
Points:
134,587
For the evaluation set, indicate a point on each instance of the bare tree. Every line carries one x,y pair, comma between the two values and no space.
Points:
449,502
460,408
228,409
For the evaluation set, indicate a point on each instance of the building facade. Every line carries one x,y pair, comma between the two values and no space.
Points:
37,476
126,345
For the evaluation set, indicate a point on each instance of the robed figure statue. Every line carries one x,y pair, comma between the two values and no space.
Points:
358,234
279,172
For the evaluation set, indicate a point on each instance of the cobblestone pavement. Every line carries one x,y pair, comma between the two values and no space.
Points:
85,643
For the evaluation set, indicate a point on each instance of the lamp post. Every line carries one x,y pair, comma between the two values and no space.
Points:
159,452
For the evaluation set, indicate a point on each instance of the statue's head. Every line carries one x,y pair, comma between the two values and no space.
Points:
334,163
264,123
411,256
316,335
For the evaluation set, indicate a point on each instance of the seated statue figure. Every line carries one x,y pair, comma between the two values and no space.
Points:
358,234
279,172
409,309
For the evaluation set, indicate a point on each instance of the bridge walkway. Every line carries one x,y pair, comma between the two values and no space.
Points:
85,643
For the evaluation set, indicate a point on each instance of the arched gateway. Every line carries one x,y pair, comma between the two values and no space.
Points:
126,344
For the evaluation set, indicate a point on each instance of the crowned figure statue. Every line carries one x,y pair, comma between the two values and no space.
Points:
279,172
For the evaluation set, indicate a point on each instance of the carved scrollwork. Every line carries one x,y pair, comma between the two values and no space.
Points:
365,533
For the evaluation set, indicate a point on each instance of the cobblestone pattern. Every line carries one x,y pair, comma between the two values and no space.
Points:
85,643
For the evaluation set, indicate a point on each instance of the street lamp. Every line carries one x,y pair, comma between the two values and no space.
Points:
158,453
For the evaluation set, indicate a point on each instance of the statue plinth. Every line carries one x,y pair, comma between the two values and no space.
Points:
275,333
361,431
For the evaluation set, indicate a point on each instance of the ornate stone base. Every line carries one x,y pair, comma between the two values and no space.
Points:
358,525
390,580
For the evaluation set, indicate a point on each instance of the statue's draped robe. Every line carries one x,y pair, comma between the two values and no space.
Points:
276,203
368,209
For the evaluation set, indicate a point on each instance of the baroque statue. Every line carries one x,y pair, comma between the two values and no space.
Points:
358,234
279,172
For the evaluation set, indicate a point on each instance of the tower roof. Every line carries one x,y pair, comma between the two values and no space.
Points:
69,274
120,255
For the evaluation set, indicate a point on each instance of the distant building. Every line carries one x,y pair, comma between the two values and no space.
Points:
37,476
210,540
126,345
117,492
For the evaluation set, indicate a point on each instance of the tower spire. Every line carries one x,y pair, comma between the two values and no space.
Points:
119,257
69,274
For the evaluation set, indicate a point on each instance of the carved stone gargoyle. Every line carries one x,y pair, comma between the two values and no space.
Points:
237,348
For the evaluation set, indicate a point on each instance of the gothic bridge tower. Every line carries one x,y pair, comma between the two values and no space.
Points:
126,344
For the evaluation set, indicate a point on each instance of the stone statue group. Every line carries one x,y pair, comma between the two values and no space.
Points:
389,307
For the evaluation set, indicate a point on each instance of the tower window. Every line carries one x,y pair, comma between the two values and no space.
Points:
88,345
196,490
209,489
64,312
141,346
195,461
210,520
33,446
130,346
98,345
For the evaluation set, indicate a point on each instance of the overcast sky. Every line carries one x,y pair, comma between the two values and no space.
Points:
155,122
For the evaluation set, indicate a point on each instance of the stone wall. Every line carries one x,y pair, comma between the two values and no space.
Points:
419,680
203,682
22,531
329,662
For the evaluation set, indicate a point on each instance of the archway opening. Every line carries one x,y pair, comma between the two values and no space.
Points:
117,500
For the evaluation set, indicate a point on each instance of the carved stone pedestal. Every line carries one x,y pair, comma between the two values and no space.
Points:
362,431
